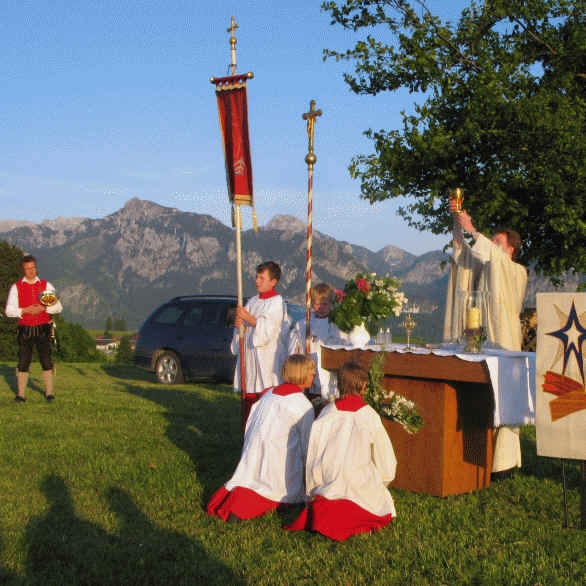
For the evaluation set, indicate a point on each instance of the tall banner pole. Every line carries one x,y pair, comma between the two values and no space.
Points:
233,113
310,159
241,327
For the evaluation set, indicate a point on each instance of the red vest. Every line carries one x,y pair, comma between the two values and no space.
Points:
29,295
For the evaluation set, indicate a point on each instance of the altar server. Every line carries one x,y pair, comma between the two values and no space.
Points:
272,465
322,331
263,318
490,265
350,462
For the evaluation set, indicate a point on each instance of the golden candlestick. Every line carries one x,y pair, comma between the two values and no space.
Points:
409,324
458,196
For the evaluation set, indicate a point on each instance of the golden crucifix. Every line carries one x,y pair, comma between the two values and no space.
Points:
233,27
310,116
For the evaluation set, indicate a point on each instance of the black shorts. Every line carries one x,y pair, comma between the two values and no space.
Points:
30,336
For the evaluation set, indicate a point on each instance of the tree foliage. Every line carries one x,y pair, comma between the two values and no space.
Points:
74,343
124,353
502,113
10,272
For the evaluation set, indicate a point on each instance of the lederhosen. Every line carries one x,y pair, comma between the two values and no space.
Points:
33,330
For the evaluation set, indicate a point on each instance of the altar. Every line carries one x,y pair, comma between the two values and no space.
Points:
461,397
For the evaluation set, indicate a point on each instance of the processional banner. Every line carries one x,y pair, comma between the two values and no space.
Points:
560,385
233,113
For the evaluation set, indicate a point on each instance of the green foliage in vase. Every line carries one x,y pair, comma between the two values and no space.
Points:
366,299
389,404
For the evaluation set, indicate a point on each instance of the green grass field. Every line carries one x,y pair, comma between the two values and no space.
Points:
107,485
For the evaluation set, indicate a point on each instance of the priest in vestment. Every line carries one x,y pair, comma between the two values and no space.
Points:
489,266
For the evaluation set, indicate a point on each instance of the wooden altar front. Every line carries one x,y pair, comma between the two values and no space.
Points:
452,452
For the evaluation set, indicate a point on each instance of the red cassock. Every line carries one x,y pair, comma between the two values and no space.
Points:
350,462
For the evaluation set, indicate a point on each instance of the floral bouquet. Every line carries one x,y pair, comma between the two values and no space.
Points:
366,300
389,404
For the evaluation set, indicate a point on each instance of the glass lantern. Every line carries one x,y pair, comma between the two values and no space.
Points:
474,320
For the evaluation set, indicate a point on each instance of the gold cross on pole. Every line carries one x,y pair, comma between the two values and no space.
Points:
233,27
310,116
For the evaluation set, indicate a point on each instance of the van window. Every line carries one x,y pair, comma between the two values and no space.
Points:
168,315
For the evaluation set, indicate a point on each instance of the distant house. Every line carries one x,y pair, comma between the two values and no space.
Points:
107,345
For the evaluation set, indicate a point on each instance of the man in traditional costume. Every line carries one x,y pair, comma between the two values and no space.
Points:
34,326
272,465
489,266
350,463
322,331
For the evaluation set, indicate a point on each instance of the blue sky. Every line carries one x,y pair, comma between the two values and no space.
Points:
104,101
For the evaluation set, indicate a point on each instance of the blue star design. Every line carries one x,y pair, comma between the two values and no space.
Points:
570,348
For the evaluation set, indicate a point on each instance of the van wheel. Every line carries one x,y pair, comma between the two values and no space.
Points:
168,369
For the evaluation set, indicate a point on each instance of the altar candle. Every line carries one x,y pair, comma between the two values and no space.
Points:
473,318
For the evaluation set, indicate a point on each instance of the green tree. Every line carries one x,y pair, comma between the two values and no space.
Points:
10,272
108,328
74,343
120,324
502,113
124,353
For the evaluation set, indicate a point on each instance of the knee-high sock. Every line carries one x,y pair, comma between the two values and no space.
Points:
21,381
48,380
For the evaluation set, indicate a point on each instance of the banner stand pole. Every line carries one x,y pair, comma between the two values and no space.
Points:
241,328
566,524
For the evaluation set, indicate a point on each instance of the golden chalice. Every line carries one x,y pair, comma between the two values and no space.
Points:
409,324
458,196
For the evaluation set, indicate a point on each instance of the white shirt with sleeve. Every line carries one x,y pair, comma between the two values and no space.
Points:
13,309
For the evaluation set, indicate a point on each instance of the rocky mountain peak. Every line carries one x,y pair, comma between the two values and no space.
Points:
285,222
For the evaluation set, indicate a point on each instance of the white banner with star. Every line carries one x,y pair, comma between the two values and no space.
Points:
560,383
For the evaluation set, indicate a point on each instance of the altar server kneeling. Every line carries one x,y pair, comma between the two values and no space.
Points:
272,465
350,462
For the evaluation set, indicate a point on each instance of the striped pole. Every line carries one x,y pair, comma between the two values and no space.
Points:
310,159
308,260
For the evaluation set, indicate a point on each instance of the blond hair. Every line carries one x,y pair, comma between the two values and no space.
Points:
321,291
297,369
351,379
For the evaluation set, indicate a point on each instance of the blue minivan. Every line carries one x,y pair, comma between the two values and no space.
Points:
189,337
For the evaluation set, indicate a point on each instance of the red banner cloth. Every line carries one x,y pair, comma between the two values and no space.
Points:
233,113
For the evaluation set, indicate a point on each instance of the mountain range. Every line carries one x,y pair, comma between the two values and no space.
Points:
127,263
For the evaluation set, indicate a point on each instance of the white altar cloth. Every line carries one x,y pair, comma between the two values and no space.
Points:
512,378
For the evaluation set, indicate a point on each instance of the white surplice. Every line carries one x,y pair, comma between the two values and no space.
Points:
487,267
263,350
322,332
272,463
350,456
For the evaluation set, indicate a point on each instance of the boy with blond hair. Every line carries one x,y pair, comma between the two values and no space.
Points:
272,465
322,331
350,462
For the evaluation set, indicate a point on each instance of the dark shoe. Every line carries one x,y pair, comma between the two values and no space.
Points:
50,398
19,399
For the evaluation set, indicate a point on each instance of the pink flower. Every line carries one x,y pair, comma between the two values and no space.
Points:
339,295
363,285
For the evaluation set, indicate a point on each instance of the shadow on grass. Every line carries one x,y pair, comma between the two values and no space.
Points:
9,374
550,468
128,372
64,549
207,430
